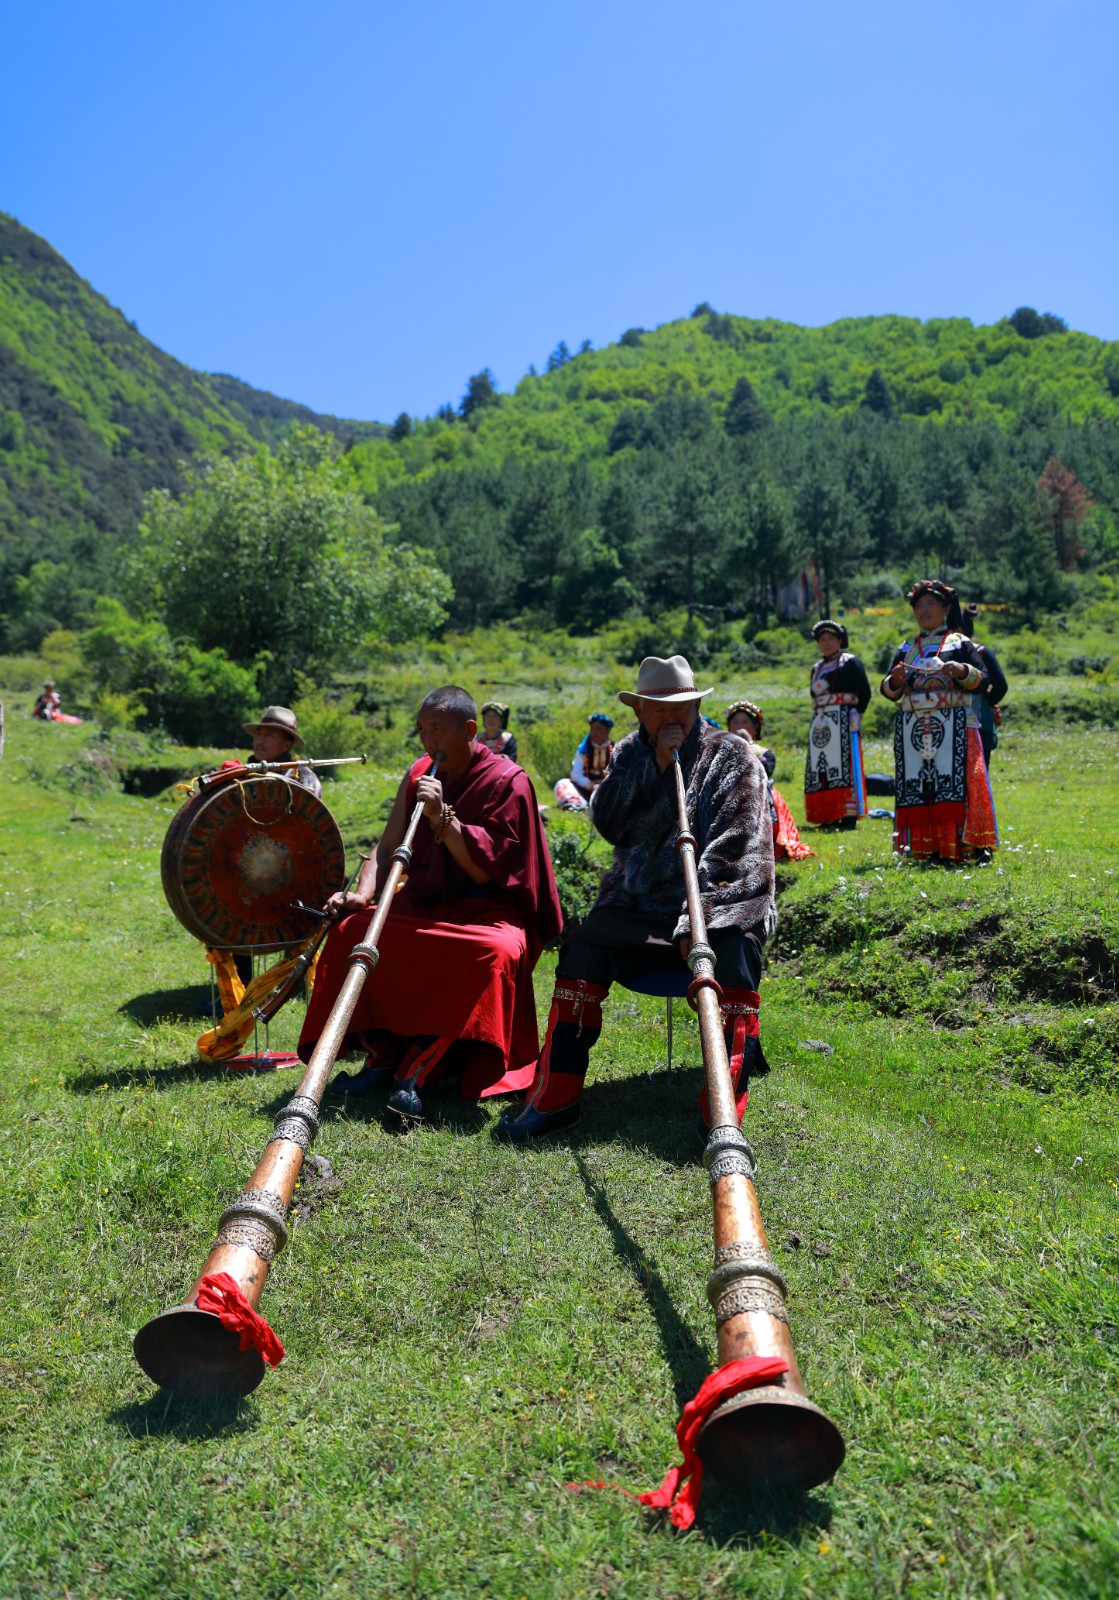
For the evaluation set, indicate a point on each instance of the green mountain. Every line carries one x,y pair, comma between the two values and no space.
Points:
945,370
709,461
702,463
92,415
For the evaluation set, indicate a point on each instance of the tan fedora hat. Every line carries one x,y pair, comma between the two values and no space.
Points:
670,681
278,717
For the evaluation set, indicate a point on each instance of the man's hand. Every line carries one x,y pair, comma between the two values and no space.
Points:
430,791
896,678
345,901
685,945
670,738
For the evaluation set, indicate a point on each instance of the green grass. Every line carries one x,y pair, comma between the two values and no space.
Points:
470,1329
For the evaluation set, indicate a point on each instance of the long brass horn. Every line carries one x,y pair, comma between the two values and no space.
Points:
192,1351
770,1436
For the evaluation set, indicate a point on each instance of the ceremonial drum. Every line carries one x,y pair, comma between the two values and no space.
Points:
240,852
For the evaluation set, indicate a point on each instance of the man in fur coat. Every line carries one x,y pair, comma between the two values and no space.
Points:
639,923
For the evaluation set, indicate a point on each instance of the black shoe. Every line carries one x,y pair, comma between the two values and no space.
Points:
360,1082
405,1104
528,1123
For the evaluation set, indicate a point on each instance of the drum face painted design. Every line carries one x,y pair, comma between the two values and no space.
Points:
237,854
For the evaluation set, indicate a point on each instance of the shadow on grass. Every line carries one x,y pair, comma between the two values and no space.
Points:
682,1350
732,1521
184,1004
167,1415
148,1077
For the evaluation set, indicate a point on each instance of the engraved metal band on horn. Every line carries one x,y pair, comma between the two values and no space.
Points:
700,952
727,1152
258,1206
757,1265
256,1235
297,1121
739,1298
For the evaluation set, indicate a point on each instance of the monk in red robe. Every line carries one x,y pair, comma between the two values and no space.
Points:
452,991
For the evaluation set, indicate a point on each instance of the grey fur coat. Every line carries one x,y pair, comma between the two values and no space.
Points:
634,808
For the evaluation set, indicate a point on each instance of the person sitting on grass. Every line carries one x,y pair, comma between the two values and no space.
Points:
745,719
589,766
452,990
48,707
639,923
494,733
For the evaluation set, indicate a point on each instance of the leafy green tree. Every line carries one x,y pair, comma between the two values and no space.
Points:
745,412
481,391
559,357
401,428
278,553
632,338
589,588
1030,324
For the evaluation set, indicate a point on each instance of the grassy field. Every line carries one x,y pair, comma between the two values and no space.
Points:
470,1328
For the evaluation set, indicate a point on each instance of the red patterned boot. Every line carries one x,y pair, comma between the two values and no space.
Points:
744,1052
552,1103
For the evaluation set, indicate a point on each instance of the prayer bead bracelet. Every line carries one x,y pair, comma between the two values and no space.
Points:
439,828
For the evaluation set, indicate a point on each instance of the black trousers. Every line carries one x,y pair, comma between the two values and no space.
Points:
615,947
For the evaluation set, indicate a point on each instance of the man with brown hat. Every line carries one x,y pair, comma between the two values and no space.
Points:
639,923
274,736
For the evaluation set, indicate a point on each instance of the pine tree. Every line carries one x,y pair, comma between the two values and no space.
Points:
745,412
877,396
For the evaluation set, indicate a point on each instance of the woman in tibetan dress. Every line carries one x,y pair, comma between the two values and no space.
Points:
834,780
745,719
943,804
494,732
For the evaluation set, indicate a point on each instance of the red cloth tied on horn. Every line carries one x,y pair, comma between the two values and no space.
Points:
220,1293
683,1485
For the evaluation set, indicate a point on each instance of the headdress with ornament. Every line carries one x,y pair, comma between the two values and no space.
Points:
945,594
829,625
750,709
502,711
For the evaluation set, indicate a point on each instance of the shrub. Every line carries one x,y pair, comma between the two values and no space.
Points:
331,727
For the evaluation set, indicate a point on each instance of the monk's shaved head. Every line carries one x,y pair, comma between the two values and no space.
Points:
451,701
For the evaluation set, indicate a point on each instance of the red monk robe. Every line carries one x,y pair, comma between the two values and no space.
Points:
456,957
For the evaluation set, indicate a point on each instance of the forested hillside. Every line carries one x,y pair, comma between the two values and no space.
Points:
708,461
92,415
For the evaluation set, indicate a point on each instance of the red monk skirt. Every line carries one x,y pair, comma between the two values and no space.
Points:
462,970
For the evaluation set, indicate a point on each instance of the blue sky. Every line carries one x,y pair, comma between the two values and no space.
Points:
358,205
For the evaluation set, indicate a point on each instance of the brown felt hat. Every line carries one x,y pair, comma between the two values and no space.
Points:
281,717
671,681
